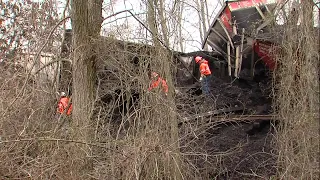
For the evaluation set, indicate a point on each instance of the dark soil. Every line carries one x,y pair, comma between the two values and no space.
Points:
227,150
251,157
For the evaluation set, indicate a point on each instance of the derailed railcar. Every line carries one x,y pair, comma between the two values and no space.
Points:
122,68
133,59
128,57
244,34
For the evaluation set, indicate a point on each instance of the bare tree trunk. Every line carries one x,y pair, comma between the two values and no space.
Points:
180,27
86,24
207,12
180,12
296,99
203,15
152,21
163,22
202,20
166,123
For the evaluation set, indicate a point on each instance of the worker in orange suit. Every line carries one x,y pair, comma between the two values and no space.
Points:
63,104
156,81
205,74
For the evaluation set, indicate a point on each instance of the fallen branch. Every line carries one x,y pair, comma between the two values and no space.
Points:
48,139
237,118
213,113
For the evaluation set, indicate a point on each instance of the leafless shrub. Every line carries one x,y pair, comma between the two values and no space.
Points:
131,139
23,117
141,137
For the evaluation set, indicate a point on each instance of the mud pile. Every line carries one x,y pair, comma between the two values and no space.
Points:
228,152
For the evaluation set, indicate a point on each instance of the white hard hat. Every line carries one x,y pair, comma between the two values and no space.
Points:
154,74
63,94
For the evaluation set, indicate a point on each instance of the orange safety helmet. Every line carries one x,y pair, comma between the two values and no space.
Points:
197,59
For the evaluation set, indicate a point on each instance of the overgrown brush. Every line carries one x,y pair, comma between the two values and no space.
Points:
142,142
144,138
27,115
296,87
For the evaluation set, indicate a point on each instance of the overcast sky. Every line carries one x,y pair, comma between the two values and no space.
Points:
129,27
125,27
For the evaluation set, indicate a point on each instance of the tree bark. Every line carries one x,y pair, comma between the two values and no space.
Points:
86,25
180,35
163,122
163,22
202,20
151,18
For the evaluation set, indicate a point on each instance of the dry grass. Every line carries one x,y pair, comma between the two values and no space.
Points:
24,118
140,142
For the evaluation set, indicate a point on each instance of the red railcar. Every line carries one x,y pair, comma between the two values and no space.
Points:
241,33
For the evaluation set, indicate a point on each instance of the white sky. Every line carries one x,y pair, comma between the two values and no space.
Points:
124,27
127,28
129,31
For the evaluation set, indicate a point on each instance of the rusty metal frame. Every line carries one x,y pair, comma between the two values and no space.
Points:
226,31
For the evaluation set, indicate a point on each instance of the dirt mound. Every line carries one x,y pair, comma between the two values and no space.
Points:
225,149
251,156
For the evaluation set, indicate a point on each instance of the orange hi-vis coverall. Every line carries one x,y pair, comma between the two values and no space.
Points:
204,68
205,76
63,104
156,83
